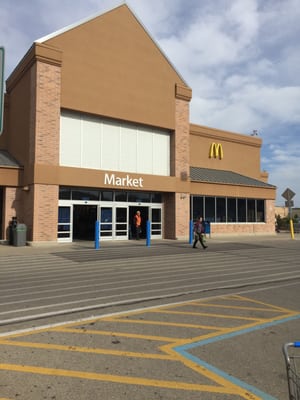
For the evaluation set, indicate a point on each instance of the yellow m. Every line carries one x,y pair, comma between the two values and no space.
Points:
216,150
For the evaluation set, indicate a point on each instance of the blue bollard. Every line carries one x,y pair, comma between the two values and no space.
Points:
97,235
148,232
191,232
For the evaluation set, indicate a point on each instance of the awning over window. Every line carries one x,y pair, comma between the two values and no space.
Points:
208,175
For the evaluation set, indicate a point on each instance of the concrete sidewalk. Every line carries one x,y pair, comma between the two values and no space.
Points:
44,248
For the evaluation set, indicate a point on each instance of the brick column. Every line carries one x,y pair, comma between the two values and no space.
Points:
45,149
180,166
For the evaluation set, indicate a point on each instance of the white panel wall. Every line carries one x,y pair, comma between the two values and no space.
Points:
91,144
95,143
145,152
161,146
110,146
128,153
70,142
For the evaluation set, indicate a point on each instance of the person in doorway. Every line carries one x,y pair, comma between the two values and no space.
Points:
137,221
199,233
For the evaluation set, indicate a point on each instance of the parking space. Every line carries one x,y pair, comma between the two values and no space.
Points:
164,352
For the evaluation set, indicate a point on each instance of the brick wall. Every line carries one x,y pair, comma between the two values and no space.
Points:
45,136
48,86
182,165
45,213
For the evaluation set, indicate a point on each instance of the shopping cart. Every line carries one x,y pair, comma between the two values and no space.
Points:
292,361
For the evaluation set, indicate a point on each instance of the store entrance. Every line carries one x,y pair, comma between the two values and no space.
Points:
84,218
145,216
77,221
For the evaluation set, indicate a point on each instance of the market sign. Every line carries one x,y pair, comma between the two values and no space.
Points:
128,181
1,87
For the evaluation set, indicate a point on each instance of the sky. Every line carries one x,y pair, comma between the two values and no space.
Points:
240,57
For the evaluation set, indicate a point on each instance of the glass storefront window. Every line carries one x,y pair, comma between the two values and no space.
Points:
227,209
65,193
241,210
210,209
260,210
121,196
251,210
139,197
197,207
85,194
231,209
106,196
221,209
156,198
69,193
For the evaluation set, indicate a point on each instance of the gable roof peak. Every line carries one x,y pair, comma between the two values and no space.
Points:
90,18
80,22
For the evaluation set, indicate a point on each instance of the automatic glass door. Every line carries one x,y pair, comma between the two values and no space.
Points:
106,222
156,225
121,222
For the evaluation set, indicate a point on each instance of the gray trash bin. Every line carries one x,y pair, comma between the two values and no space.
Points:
19,235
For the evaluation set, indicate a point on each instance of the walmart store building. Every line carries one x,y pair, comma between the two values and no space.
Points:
96,126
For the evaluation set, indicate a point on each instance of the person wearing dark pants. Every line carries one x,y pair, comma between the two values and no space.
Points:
198,233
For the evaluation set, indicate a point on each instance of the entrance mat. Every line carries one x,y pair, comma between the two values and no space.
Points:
123,251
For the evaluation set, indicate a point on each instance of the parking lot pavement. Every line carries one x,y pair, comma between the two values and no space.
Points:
215,348
220,338
36,283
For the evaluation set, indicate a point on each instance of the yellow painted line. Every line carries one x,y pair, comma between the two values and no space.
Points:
119,379
234,389
204,314
236,307
162,323
59,347
115,334
223,386
166,348
271,306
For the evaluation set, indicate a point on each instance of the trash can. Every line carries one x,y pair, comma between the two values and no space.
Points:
19,235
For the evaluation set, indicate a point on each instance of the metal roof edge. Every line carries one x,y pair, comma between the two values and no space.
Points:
76,24
256,182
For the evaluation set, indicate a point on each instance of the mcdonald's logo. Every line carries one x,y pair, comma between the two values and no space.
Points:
216,150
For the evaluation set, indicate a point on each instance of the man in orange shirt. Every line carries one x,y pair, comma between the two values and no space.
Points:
137,220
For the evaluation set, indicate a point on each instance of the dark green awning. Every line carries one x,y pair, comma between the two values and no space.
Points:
208,175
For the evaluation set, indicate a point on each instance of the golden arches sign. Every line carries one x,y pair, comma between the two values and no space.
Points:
216,150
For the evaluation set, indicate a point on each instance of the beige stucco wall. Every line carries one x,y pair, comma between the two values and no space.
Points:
241,153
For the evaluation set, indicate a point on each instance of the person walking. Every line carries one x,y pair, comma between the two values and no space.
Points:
198,233
137,221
